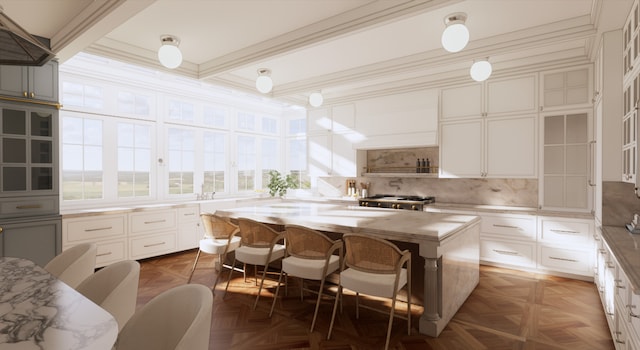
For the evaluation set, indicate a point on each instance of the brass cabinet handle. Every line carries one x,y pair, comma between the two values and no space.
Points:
33,94
154,222
154,244
562,259
507,226
1,229
104,254
29,206
98,229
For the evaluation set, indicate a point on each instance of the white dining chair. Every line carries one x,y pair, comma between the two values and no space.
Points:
260,245
177,319
311,256
220,238
374,267
115,289
74,264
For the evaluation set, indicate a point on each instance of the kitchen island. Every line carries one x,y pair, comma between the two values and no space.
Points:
448,243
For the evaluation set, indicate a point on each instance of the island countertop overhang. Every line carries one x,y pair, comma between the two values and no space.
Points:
404,225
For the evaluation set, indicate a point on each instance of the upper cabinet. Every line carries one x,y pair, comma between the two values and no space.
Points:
28,163
37,83
495,97
566,89
329,141
631,40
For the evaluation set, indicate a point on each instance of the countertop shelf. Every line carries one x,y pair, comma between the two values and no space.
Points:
403,171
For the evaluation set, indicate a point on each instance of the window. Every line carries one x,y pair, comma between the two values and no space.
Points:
82,167
214,162
246,163
297,126
269,126
246,121
181,160
270,158
129,103
134,160
79,95
216,117
181,111
298,162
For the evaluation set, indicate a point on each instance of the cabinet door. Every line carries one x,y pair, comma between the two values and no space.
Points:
43,82
36,240
566,88
515,95
511,147
461,102
14,80
461,149
319,155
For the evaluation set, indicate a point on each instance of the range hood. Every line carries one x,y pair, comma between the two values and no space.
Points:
18,47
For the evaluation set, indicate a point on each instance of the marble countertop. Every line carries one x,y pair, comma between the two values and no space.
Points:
37,311
403,225
507,210
625,246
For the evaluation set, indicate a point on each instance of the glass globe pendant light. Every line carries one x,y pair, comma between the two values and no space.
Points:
264,84
456,35
480,70
316,99
169,54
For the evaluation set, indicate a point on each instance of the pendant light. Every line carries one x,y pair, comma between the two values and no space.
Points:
316,99
264,84
169,54
456,35
480,70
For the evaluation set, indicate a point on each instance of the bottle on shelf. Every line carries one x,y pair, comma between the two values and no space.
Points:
423,166
418,167
427,168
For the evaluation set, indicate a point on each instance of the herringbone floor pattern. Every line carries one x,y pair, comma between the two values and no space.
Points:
508,310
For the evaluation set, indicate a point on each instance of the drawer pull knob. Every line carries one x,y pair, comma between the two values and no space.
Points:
562,259
506,252
104,254
154,222
29,206
154,244
98,229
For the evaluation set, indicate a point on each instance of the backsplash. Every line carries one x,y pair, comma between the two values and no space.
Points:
619,203
507,192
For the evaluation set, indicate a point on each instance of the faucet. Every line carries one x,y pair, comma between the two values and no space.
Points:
395,183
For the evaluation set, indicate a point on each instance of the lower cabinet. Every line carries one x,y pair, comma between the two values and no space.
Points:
508,239
137,234
566,245
37,239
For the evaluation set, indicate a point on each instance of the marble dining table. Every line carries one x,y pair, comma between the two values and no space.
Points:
448,243
38,311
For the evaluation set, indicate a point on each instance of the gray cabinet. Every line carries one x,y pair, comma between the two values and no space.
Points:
37,239
37,83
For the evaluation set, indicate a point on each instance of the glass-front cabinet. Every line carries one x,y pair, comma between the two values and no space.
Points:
28,158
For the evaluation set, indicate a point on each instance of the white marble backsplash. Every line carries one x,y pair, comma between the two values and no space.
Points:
505,192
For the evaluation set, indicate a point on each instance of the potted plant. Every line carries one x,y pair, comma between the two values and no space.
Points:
278,184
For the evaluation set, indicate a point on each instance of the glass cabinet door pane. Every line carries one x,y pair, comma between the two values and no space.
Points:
14,150
554,130
41,178
554,160
14,179
577,157
41,151
14,122
41,124
577,128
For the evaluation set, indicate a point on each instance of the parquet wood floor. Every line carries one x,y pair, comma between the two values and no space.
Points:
507,310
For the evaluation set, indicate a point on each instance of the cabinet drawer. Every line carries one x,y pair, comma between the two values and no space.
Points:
517,227
188,214
566,260
511,253
28,206
161,220
144,247
569,232
93,228
634,309
110,252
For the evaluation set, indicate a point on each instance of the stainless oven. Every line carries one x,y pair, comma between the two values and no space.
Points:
396,201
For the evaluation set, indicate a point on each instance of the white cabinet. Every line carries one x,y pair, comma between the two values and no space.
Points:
494,97
330,141
152,233
189,227
489,147
566,245
107,231
39,83
508,239
566,88
566,167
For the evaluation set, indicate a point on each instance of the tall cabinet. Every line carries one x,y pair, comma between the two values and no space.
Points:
30,225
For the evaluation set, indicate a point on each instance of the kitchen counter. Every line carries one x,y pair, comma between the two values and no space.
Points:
448,243
625,246
503,209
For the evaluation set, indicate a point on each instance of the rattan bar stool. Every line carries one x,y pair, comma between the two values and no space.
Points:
259,246
374,267
311,255
219,239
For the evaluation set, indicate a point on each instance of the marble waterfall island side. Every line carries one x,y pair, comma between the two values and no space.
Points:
449,245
